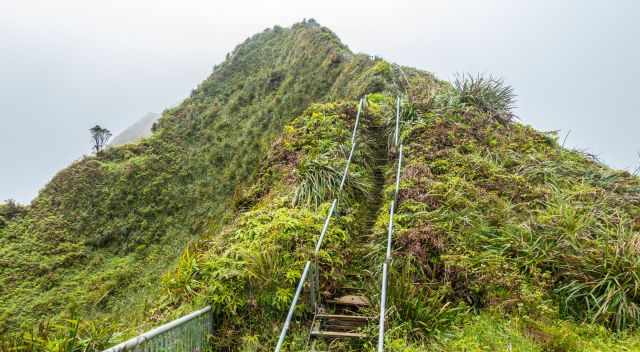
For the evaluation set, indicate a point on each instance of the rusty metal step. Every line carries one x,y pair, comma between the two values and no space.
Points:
339,325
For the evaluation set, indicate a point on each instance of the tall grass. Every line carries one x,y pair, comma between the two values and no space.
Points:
592,254
319,181
422,309
487,93
601,281
61,336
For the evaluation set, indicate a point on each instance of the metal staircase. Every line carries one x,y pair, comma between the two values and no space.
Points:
342,314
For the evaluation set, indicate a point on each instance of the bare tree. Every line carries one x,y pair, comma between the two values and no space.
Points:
100,137
637,170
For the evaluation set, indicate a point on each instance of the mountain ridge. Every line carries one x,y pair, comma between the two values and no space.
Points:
503,241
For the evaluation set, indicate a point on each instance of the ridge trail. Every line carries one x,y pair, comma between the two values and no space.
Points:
348,297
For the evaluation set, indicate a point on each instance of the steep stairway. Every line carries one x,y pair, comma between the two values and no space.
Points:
343,316
345,312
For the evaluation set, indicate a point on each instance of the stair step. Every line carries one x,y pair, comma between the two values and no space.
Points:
344,317
351,300
341,328
338,334
349,288
342,323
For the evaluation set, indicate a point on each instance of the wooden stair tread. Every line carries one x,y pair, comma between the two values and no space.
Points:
351,300
338,334
349,288
344,317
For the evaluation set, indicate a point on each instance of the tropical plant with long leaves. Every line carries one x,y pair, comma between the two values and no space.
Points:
486,93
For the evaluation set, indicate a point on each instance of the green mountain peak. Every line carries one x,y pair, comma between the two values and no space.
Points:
502,238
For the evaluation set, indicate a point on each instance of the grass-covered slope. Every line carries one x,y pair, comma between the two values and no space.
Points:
96,240
504,240
247,272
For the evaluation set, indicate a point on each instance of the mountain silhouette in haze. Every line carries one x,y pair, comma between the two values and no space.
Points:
140,129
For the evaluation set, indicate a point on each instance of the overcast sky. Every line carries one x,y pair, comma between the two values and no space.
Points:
67,65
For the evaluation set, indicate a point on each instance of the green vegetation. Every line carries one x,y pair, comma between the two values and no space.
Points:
10,210
504,240
94,242
496,218
248,270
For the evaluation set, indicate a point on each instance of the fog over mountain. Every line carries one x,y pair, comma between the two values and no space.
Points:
140,129
70,64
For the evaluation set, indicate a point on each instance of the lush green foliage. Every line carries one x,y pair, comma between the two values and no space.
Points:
504,240
98,236
499,218
64,335
248,272
10,210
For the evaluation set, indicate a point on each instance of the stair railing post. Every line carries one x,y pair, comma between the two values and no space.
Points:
292,308
396,135
312,289
315,285
387,259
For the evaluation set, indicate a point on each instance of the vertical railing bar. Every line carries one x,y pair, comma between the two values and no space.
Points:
396,135
390,230
353,147
355,126
292,308
398,174
383,302
387,259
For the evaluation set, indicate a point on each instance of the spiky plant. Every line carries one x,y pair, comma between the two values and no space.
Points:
487,93
320,182
603,282
423,309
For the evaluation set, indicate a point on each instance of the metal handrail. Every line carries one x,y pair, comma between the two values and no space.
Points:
308,264
396,135
387,259
132,344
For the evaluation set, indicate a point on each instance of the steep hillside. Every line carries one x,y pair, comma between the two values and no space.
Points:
98,236
140,129
504,240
